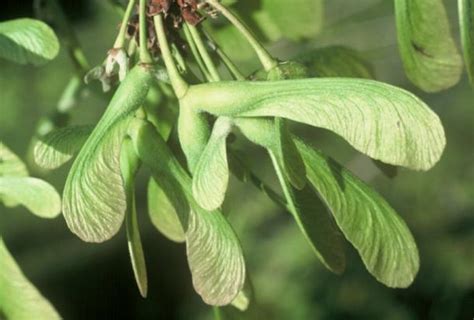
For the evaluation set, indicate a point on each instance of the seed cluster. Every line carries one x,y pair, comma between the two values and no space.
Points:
178,10
175,13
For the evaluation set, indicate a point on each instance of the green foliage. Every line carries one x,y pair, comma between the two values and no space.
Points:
94,184
327,202
214,253
382,239
314,222
129,164
290,159
382,121
59,146
431,59
212,171
336,61
17,188
36,195
163,214
27,41
10,164
19,299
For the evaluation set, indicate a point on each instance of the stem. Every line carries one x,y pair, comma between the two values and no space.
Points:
217,313
266,59
259,184
178,57
284,185
203,52
195,52
144,54
180,86
120,41
230,65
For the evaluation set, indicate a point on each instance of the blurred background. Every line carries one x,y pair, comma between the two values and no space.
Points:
86,281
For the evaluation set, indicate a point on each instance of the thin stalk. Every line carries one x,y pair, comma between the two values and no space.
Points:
217,313
259,184
135,246
144,54
284,185
195,53
264,56
273,195
120,41
132,48
203,52
180,86
178,58
230,65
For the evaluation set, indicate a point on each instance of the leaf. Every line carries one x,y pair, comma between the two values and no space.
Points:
310,215
211,176
130,164
300,19
214,252
10,164
163,214
382,239
36,195
291,162
387,123
27,41
314,222
59,146
215,257
466,15
19,299
94,200
336,61
430,57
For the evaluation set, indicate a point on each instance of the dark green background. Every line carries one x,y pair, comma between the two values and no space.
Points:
87,281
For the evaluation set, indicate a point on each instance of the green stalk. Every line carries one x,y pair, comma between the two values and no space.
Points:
251,177
180,86
144,54
217,313
203,52
120,41
195,53
265,58
230,65
178,58
284,184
